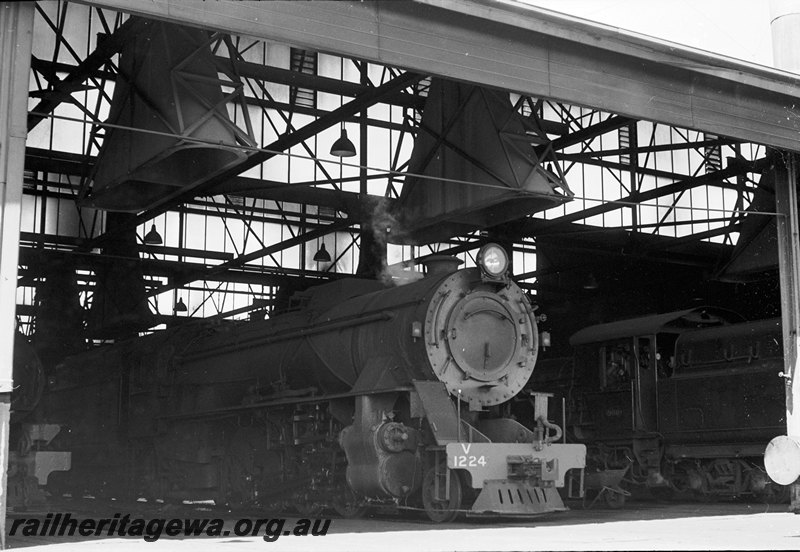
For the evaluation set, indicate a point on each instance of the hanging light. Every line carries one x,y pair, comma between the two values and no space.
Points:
343,147
180,306
591,282
322,256
153,237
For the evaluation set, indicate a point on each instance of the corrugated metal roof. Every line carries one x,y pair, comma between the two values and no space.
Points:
675,321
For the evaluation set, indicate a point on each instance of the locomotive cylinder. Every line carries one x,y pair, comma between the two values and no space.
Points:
381,454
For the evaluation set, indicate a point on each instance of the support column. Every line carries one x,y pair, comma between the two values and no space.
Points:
788,225
785,23
16,38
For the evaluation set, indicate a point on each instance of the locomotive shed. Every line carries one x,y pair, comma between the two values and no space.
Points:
441,254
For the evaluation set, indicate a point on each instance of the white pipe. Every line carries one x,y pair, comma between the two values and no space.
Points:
785,25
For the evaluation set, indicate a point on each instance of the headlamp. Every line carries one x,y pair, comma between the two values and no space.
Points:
493,261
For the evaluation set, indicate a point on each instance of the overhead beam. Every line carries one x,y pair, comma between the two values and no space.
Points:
369,97
302,193
317,112
593,240
242,310
542,225
678,146
279,75
655,254
77,74
626,167
248,257
347,202
523,49
31,257
58,91
58,162
68,242
591,132
699,236
284,142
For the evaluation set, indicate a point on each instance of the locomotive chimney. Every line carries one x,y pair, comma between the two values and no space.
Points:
437,265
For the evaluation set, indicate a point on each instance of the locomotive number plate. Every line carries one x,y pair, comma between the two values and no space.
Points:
464,461
460,457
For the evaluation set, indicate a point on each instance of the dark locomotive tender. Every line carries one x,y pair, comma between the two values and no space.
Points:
361,394
684,401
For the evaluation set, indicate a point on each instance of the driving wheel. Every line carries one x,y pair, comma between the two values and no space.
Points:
441,506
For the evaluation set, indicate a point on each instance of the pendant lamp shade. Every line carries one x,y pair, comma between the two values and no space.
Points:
343,147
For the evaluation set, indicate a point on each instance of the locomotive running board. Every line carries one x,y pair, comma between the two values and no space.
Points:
310,399
516,498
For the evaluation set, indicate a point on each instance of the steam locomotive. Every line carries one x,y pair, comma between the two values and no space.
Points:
359,395
682,403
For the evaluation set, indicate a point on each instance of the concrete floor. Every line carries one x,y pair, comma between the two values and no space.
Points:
642,526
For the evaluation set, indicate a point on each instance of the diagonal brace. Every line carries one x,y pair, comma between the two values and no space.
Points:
284,142
246,258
